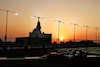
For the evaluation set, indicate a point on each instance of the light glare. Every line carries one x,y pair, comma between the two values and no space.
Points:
16,13
32,16
44,19
61,38
71,23
54,20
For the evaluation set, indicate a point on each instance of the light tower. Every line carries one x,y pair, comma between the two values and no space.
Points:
58,27
96,33
38,24
7,20
74,29
86,30
38,17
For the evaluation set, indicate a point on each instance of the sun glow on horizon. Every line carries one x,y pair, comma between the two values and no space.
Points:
62,38
81,12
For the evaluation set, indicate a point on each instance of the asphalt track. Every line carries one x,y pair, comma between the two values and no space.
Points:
37,57
37,63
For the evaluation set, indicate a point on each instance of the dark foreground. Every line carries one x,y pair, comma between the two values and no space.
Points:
24,53
37,63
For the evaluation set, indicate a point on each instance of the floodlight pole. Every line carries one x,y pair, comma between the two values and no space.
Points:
98,40
7,21
74,32
58,28
38,17
96,33
6,26
74,29
86,31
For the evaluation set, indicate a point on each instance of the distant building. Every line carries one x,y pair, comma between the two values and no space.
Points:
35,37
0,41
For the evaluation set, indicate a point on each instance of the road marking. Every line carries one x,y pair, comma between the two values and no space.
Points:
32,57
15,58
3,58
19,58
93,55
94,52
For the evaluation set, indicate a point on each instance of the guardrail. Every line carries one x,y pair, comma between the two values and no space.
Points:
39,47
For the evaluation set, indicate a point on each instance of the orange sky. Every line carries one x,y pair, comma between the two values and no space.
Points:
82,12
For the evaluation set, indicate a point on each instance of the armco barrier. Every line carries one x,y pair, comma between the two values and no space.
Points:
25,47
38,47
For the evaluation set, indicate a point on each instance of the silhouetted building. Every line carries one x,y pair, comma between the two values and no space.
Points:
0,41
35,37
54,42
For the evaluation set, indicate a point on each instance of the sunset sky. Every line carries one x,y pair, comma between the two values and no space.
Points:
82,12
